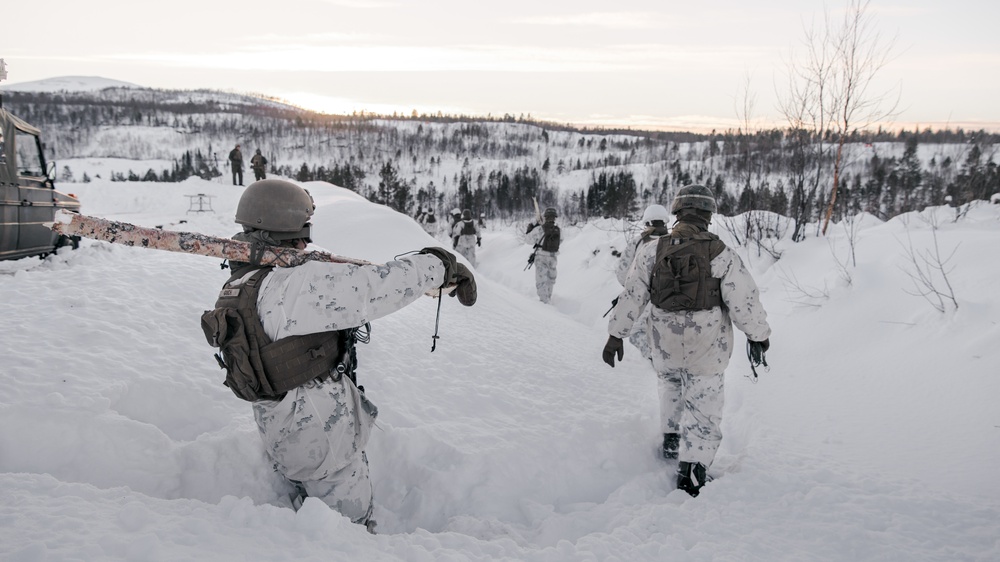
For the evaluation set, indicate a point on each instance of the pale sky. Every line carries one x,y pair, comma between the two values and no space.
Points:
640,63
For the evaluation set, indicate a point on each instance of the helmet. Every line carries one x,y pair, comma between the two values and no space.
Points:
550,213
467,215
279,207
655,213
694,197
455,212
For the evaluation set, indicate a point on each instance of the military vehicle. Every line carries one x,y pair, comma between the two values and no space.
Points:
28,197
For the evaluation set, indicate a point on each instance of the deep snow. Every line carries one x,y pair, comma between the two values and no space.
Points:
875,435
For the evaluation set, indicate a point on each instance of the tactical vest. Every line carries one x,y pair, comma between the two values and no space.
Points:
257,368
682,273
468,228
550,238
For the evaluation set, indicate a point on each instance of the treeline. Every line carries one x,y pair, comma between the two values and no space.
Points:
498,166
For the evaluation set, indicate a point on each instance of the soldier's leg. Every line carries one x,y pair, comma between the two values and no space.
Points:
701,418
670,388
349,490
545,276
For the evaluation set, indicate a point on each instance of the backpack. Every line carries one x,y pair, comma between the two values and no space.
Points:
550,238
682,273
258,368
468,228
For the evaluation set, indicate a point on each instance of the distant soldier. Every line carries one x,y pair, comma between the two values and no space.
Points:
430,222
259,165
465,236
546,238
482,220
456,216
236,163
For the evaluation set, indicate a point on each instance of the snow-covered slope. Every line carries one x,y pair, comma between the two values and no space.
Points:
873,436
68,84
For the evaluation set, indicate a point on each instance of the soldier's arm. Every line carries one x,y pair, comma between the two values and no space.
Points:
742,298
635,296
316,296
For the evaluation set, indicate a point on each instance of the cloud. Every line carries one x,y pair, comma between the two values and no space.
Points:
613,20
363,4
485,58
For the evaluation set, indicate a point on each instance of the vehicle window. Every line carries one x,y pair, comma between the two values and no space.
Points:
29,159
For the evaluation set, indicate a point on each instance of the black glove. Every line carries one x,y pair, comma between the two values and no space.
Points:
457,274
465,285
447,258
531,227
479,242
757,350
454,242
614,346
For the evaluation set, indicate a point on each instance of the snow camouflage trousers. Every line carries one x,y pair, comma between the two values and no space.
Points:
691,405
467,247
545,274
316,437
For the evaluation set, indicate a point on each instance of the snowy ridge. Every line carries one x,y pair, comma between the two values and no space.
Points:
873,436
68,84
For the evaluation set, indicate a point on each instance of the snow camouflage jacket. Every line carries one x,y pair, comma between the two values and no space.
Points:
319,430
537,236
697,341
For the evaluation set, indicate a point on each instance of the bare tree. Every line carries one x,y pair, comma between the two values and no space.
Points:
831,90
860,54
928,269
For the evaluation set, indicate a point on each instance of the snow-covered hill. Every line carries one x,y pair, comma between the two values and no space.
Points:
68,84
874,436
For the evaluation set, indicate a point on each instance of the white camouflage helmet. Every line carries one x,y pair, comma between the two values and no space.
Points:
655,213
694,197
279,207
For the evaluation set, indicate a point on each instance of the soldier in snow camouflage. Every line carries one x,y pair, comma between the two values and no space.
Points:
654,218
316,433
546,237
691,347
466,237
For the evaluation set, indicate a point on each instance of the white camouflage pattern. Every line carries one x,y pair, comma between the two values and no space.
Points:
639,337
545,266
316,435
691,349
466,242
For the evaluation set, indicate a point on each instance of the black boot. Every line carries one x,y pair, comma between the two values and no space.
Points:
691,477
671,442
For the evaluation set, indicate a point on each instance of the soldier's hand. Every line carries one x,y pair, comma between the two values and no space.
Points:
531,227
756,351
465,285
615,346
479,242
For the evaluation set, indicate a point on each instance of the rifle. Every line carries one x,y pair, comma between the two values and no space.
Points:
531,258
